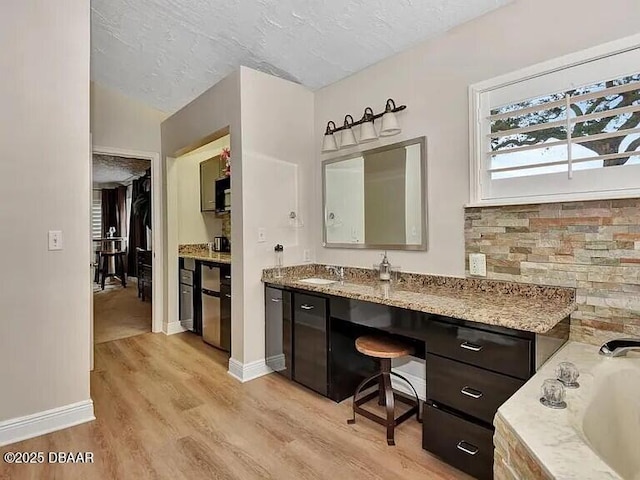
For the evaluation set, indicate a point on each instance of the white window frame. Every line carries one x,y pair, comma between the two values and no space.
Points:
477,127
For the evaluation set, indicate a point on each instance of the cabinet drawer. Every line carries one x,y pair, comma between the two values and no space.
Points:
493,351
471,390
465,445
310,342
309,307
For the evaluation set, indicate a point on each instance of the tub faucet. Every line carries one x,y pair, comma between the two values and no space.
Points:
620,347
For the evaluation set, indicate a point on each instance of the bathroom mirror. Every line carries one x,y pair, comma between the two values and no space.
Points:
377,198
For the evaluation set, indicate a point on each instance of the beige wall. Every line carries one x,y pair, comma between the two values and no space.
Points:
214,110
44,185
432,80
121,122
195,226
277,166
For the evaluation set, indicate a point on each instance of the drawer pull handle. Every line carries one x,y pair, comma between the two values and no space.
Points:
306,307
471,346
228,295
276,300
467,448
471,392
228,277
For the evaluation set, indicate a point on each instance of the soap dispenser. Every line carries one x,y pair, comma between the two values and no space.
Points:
385,269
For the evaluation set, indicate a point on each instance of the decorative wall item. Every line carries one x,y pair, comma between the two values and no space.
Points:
225,155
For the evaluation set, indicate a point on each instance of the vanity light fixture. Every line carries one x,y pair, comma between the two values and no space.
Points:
348,139
329,143
367,130
390,126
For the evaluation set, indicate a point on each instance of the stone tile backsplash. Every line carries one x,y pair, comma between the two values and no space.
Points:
591,246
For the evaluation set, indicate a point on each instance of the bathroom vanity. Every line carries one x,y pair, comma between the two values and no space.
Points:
481,340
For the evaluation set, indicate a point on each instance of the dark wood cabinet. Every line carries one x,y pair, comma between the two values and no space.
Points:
278,331
225,316
471,368
499,352
468,389
310,342
458,441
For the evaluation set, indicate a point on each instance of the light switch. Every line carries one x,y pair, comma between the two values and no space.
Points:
55,240
262,235
306,255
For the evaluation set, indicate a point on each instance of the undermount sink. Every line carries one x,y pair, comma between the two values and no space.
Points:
317,281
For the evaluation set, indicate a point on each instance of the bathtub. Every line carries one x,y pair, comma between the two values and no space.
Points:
597,437
611,418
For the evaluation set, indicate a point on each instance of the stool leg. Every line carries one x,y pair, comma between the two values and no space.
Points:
415,394
385,367
381,392
357,392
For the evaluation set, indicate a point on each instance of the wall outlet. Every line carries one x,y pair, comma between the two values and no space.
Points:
478,264
306,255
55,240
262,235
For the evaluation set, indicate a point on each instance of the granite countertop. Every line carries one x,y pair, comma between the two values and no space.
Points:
201,252
556,438
524,307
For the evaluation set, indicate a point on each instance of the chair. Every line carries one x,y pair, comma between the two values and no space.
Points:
384,349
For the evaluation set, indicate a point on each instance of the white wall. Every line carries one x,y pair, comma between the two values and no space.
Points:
214,110
44,185
277,140
121,122
195,226
432,80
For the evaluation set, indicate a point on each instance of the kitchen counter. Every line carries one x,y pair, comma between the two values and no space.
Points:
201,252
519,306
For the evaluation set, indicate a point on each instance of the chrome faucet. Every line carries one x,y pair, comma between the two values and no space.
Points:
620,347
337,271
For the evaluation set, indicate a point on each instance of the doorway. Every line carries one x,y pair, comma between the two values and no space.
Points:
131,301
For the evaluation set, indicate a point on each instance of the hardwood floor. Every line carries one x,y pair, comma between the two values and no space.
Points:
166,408
118,312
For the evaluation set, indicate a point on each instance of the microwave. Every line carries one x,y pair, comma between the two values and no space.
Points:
223,194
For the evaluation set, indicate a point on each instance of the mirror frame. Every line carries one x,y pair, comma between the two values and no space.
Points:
423,246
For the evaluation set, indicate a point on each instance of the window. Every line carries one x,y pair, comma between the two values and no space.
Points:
565,130
96,214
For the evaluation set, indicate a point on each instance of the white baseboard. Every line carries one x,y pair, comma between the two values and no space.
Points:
173,327
418,383
248,371
21,428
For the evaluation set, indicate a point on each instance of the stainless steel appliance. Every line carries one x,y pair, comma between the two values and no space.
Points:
214,332
187,316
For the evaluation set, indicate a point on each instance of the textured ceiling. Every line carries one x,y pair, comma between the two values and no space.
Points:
167,52
108,169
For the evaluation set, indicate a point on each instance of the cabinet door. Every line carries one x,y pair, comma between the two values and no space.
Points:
225,317
310,342
209,170
278,330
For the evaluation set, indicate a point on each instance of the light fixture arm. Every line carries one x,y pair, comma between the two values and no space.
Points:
368,116
329,129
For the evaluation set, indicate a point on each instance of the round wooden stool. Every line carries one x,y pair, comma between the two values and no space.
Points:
384,349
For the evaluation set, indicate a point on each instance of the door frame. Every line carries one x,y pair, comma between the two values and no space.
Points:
157,297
